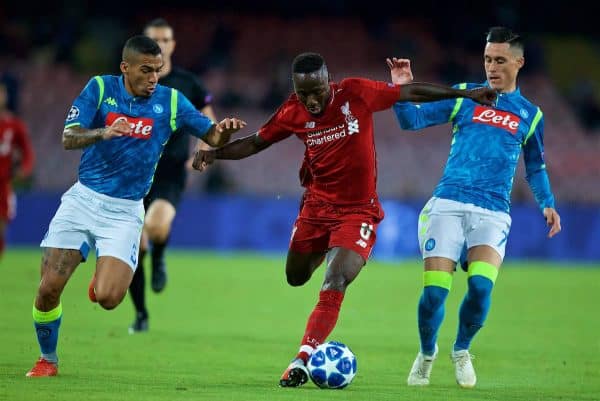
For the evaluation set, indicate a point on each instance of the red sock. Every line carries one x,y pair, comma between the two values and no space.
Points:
321,322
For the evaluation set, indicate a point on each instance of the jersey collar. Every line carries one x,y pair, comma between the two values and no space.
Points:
515,93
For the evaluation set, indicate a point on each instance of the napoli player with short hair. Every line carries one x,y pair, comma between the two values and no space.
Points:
340,209
471,204
122,124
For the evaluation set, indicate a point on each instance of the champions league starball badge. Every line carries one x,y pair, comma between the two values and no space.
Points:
73,113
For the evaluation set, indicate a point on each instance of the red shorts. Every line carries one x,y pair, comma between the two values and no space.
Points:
321,226
7,202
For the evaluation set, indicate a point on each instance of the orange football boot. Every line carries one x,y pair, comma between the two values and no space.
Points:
43,368
295,375
92,290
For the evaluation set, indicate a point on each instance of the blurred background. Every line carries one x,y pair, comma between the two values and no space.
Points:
242,51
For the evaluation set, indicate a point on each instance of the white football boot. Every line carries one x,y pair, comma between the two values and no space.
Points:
465,373
421,369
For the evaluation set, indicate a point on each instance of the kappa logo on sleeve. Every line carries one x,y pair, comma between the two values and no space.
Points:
140,127
496,118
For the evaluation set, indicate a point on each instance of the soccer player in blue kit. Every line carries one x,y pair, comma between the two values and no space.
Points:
471,204
122,124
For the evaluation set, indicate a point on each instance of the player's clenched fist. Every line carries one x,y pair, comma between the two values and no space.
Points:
486,96
202,159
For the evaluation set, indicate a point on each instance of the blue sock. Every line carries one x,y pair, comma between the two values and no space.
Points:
431,308
46,326
476,304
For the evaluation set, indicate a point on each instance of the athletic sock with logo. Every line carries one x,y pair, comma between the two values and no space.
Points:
321,322
46,326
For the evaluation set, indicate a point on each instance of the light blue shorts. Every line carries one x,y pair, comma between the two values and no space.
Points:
446,226
87,219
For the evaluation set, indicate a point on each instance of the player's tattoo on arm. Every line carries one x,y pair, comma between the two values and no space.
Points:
78,137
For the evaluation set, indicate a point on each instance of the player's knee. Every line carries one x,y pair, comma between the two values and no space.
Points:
157,232
480,287
110,299
433,297
296,280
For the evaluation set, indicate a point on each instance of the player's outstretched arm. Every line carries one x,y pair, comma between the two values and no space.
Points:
426,92
219,134
238,149
77,137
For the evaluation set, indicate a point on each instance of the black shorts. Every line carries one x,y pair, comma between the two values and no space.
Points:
168,190
169,181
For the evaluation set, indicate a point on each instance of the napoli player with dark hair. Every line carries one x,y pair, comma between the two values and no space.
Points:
122,123
169,178
340,210
469,211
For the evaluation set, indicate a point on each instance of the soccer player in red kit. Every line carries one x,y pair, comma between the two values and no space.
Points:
340,209
14,145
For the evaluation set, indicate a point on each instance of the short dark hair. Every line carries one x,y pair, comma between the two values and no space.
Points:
140,44
307,62
157,23
500,34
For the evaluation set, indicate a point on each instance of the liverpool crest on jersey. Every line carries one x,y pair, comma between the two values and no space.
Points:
351,121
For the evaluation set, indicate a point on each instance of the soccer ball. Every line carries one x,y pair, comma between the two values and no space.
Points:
332,365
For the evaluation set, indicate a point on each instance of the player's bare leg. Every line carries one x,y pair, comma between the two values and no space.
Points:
57,267
299,267
113,277
157,225
342,268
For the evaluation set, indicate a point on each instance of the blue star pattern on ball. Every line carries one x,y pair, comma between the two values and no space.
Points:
332,365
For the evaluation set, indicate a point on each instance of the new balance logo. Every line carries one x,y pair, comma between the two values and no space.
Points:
111,101
361,243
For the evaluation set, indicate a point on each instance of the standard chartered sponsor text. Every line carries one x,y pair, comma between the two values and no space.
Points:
326,135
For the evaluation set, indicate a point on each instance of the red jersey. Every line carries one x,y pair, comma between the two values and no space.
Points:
340,159
13,139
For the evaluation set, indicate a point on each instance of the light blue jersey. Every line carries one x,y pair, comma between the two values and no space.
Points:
486,144
124,167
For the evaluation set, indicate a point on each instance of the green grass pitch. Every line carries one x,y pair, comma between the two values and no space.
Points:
227,325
